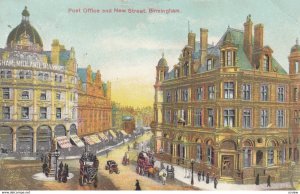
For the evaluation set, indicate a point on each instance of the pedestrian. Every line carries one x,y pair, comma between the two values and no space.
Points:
67,170
199,175
203,175
61,165
137,186
215,182
257,179
269,181
207,178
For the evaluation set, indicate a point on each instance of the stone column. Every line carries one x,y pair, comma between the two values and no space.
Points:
14,146
34,139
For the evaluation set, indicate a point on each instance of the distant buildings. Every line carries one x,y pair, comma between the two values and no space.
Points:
231,107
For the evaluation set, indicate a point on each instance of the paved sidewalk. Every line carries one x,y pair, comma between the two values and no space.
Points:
179,175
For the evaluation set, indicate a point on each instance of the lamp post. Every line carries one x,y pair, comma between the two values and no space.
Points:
56,154
192,163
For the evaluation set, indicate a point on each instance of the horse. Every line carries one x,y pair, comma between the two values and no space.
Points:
152,171
163,175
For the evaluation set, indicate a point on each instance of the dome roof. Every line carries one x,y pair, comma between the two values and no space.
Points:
162,62
24,30
296,47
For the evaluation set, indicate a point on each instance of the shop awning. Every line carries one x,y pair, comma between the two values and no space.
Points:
77,140
103,137
124,133
113,133
88,140
63,142
95,138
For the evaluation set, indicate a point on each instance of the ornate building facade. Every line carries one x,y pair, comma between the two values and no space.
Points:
38,91
230,107
94,103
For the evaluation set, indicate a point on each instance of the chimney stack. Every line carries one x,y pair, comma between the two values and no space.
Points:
203,44
248,38
192,40
258,36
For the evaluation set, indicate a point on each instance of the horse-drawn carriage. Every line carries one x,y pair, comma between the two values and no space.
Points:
125,160
112,166
145,161
88,169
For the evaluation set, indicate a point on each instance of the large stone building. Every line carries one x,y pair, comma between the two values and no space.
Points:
45,96
94,103
38,93
231,107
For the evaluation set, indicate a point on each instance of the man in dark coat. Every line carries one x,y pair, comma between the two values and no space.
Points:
61,165
269,181
257,179
215,182
137,186
199,175
207,178
203,175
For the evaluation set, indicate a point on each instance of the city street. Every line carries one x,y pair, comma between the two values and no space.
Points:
17,174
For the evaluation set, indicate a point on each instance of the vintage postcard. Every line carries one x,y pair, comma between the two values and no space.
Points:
173,95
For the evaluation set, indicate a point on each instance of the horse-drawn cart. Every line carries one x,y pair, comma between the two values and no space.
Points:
145,161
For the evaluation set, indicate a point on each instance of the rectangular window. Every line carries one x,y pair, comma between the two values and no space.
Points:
229,118
264,118
209,64
211,92
264,93
5,93
25,112
25,94
228,90
58,96
296,94
297,67
280,94
280,118
198,118
199,94
185,95
6,112
43,112
176,95
246,91
168,97
247,118
58,113
167,116
210,117
43,95
229,58
175,119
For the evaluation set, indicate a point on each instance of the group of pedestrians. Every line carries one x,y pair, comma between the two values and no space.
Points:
268,180
207,178
63,173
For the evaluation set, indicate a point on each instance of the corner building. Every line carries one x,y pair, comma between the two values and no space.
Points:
38,94
231,107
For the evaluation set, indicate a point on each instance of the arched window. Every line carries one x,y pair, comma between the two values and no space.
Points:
199,153
229,58
297,67
259,157
266,63
210,153
40,76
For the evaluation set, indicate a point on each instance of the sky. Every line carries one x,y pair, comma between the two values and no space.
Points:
126,47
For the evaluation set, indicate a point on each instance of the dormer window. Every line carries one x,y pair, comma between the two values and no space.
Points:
266,63
297,67
209,64
229,58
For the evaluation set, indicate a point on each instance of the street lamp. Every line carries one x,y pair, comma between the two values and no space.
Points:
56,154
192,163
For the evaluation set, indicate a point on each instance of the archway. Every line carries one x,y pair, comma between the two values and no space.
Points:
43,139
6,139
227,166
60,130
73,129
24,139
